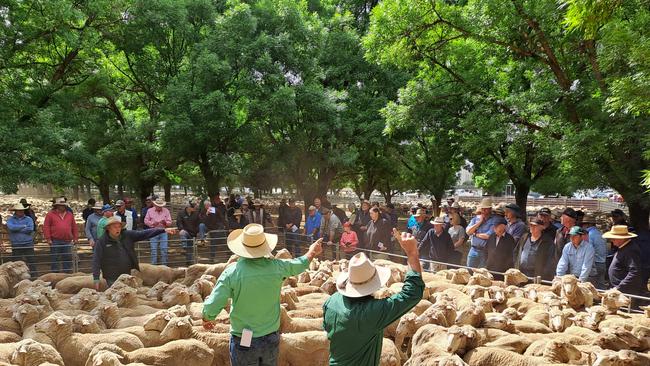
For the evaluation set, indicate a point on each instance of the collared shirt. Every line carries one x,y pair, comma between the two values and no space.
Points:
60,227
254,287
313,223
155,219
412,223
20,230
598,243
486,228
577,261
355,326
91,226
516,229
333,224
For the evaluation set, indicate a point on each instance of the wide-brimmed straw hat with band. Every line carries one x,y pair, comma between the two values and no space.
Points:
619,232
362,278
252,241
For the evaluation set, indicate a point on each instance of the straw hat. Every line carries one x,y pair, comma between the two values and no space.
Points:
97,207
18,207
420,212
362,278
438,221
485,203
60,202
160,202
251,241
112,221
619,232
237,212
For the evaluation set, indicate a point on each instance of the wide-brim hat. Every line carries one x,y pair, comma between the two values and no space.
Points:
237,212
252,241
18,207
98,207
60,202
112,221
160,202
589,219
619,232
485,203
420,212
438,221
257,203
362,277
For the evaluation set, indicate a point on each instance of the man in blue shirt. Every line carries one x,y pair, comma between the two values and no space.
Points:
577,256
312,223
515,226
479,229
597,276
21,230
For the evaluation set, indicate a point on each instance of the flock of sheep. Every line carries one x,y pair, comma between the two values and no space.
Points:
153,317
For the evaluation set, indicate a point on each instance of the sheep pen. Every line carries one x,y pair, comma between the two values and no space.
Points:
154,318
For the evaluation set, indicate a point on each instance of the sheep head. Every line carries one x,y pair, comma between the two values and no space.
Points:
499,321
558,351
125,297
156,291
597,313
283,254
584,320
55,326
176,296
105,354
28,314
512,314
514,291
569,285
558,320
475,291
177,328
31,352
614,299
22,286
406,327
86,299
210,278
472,315
447,309
319,278
485,303
159,320
128,280
84,323
329,286
461,339
304,277
108,312
617,339
514,277
498,294
480,280
484,272
460,276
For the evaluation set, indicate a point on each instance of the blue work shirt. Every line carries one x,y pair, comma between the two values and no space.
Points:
311,223
516,229
576,261
486,228
412,222
598,243
21,231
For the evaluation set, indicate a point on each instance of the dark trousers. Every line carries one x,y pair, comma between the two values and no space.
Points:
293,243
27,255
188,244
215,240
61,250
262,352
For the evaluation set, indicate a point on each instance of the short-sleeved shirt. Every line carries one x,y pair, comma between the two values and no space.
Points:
254,287
486,228
355,326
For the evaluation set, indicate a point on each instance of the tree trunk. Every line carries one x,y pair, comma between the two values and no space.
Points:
104,191
436,200
168,191
145,188
89,189
639,215
185,190
211,179
75,192
120,190
521,198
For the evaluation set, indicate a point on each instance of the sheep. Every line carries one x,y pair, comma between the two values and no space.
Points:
577,296
617,339
460,276
643,335
480,280
584,333
28,352
472,315
295,325
527,326
459,298
410,323
304,277
54,278
483,272
156,291
203,287
176,296
585,320
491,356
514,277
538,315
613,299
151,274
178,352
512,314
72,284
283,254
85,323
485,303
294,347
454,339
513,342
10,274
515,292
24,285
621,358
558,320
86,299
390,355
8,337
329,286
56,330
305,289
27,315
319,278
498,321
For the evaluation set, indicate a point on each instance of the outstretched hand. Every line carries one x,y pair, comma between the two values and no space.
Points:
407,241
315,249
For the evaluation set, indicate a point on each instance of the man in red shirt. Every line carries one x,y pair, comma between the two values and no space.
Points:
60,231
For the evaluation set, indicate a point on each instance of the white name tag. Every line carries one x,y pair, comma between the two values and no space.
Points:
246,338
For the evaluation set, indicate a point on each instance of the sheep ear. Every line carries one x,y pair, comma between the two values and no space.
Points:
167,317
60,321
179,323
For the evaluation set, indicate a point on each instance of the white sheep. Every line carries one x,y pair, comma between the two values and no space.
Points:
295,325
614,299
31,353
178,352
152,274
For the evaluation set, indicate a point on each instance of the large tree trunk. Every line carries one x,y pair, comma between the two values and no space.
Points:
521,197
120,190
639,215
168,191
211,180
104,191
75,192
145,188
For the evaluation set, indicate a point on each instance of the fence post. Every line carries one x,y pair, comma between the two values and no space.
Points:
195,250
75,258
538,280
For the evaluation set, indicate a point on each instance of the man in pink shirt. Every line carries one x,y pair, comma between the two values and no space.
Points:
60,231
349,240
158,217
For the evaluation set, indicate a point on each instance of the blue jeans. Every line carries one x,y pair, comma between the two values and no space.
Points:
476,258
159,240
262,352
599,279
202,230
61,250
187,242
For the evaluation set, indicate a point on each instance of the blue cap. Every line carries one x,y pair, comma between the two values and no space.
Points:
498,220
576,230
107,207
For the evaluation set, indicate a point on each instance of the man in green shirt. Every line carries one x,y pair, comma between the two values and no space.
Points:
253,283
354,320
107,212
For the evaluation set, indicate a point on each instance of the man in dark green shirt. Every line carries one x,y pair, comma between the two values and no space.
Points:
354,320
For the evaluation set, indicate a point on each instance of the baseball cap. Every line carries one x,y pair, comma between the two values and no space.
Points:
499,220
545,211
576,230
119,203
537,222
570,212
107,207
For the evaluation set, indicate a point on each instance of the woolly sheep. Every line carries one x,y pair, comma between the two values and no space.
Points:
156,291
151,274
283,254
513,342
514,277
621,358
56,330
178,352
72,284
614,299
12,273
28,352
472,315
294,345
296,325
